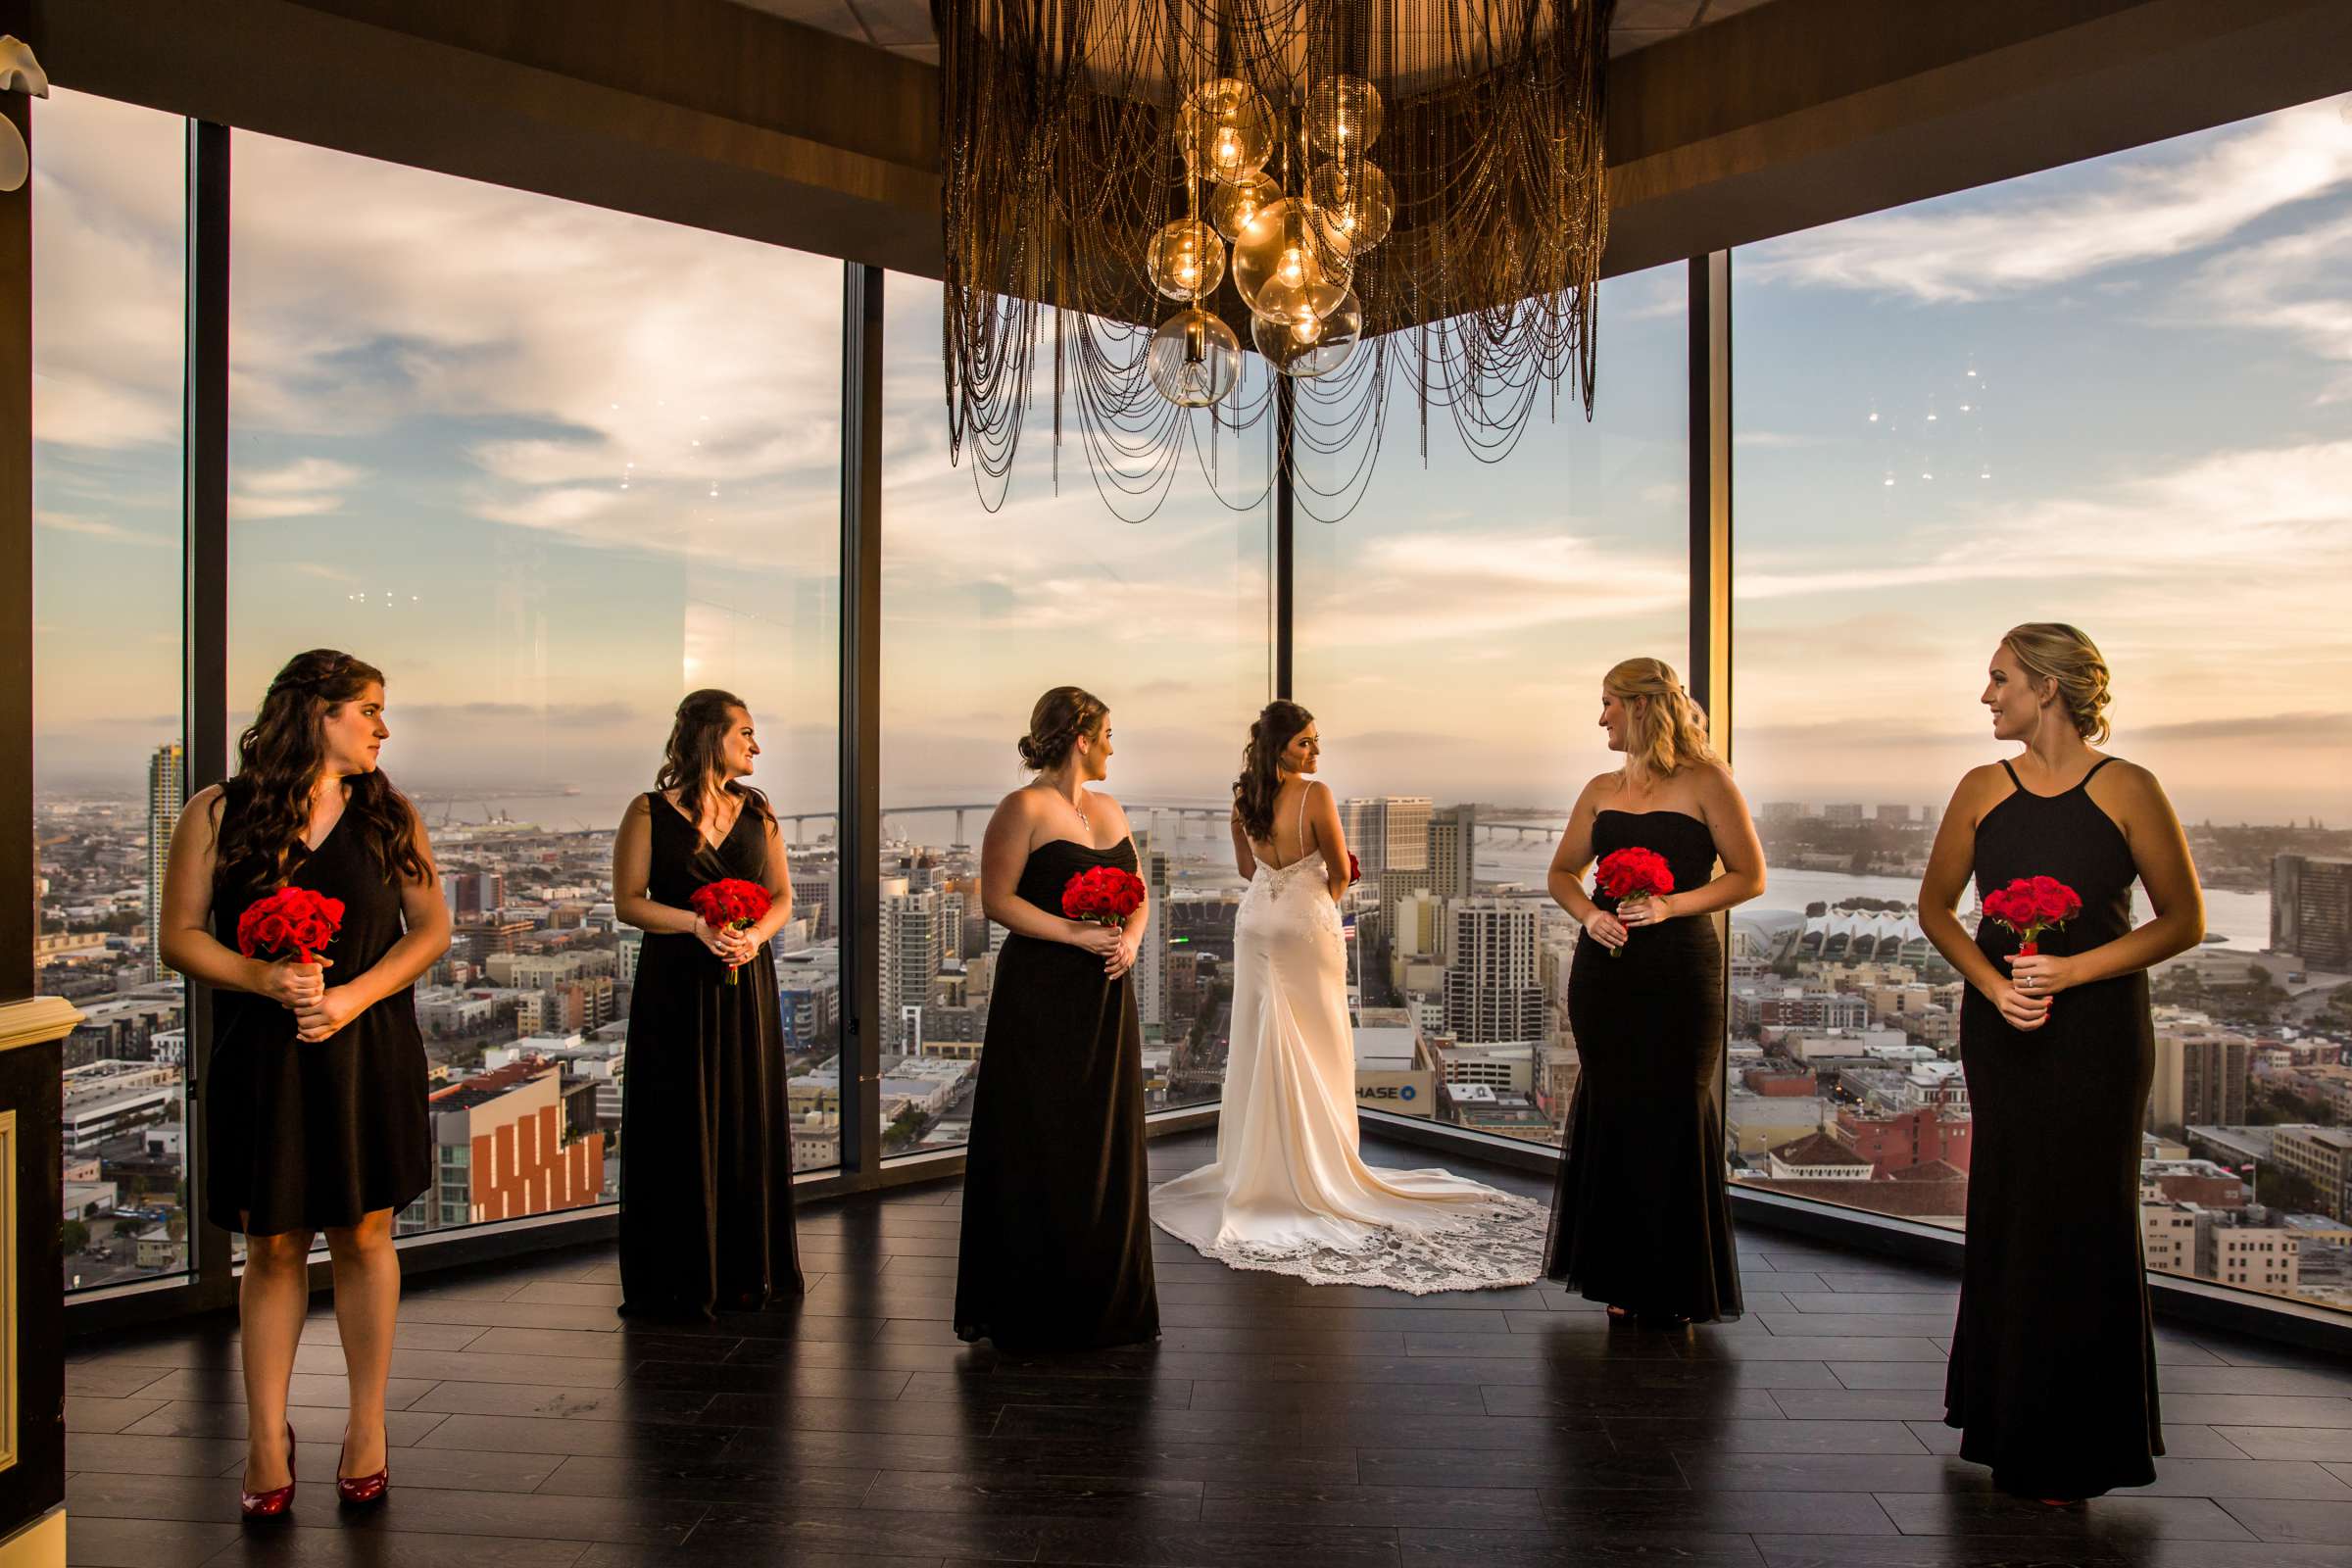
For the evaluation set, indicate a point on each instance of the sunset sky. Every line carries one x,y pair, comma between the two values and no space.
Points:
550,466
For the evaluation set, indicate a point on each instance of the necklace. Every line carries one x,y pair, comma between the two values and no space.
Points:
1083,820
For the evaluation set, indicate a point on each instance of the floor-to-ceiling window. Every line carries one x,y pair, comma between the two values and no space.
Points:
109,761
981,612
1452,633
2119,395
550,468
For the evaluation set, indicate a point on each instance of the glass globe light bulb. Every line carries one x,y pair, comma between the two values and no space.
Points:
1286,250
1225,131
1234,207
1185,261
1358,203
1194,359
1317,334
1344,114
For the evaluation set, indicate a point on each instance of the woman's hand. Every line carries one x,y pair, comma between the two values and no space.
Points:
1651,911
1605,929
291,985
1102,941
317,1020
1122,957
2041,974
2020,1009
719,941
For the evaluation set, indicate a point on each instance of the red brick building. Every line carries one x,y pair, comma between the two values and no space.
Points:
499,1151
1915,1138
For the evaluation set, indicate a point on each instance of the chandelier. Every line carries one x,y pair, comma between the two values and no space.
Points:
1191,214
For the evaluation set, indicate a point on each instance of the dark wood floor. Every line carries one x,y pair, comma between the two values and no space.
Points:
1275,1424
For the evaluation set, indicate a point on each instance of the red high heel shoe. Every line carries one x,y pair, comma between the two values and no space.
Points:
362,1491
277,1502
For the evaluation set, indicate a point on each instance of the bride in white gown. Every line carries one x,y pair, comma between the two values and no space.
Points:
1289,1191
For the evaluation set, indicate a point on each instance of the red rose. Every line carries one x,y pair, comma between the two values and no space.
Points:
1356,869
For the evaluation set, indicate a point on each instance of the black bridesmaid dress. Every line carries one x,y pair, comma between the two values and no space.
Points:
706,1125
1057,1244
1642,1218
311,1136
2053,1379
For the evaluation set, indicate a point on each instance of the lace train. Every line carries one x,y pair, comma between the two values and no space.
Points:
1491,1243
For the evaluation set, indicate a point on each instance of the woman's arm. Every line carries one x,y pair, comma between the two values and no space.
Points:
1735,846
1245,858
1131,930
1003,855
425,916
1951,863
2160,852
184,939
1565,879
1324,832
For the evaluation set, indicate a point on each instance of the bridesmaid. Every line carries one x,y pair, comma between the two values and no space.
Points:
2054,1385
314,1098
1641,1220
706,1144
1056,1247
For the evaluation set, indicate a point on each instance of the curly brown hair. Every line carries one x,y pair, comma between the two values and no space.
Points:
1278,724
264,809
689,760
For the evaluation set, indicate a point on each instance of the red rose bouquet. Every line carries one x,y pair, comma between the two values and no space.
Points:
2031,906
730,904
1104,895
1631,874
1356,869
290,923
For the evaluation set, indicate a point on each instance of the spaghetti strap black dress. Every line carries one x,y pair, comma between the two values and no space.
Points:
705,1123
2052,1380
1643,1218
316,1136
1056,1246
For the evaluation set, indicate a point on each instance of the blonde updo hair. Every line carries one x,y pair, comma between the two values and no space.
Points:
1059,718
2051,649
1670,734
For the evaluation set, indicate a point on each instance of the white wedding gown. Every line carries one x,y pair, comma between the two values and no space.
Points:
1289,1191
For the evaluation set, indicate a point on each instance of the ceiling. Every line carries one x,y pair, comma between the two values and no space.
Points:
904,27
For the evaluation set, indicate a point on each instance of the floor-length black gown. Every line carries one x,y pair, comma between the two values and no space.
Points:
1056,1246
308,1136
1642,1220
706,1125
2053,1379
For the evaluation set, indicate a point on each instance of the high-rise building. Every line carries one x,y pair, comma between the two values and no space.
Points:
500,1150
1388,832
912,951
2310,910
1152,961
2201,1074
1453,853
1493,994
167,793
815,890
472,894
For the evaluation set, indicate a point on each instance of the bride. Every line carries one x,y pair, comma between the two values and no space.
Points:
1289,1193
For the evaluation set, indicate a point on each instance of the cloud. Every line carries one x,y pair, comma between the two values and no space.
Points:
98,529
569,715
2295,284
2025,235
307,487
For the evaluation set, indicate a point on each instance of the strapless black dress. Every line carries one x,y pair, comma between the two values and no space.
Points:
1056,1242
1643,1218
